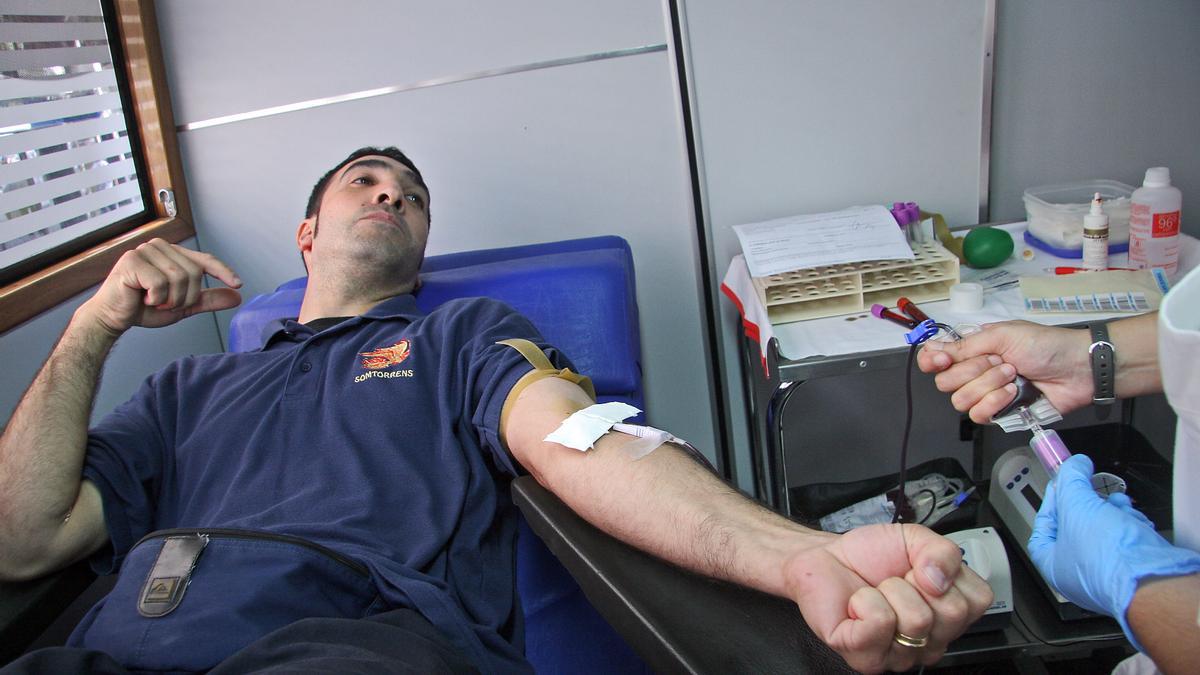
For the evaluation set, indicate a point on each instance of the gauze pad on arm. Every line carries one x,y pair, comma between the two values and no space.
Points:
584,427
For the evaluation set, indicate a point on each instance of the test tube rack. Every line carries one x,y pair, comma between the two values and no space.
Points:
831,290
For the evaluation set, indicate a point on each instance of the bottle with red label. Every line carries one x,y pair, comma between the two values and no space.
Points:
1154,222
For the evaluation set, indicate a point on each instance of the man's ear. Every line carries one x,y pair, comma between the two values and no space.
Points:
304,235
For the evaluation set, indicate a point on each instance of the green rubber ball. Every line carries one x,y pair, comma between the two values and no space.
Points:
985,247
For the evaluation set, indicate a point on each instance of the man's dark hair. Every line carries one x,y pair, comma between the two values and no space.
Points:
392,152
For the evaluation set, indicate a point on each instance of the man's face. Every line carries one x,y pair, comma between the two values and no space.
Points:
373,212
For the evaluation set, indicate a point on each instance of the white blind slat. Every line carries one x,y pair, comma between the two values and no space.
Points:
20,31
63,236
50,112
42,165
13,88
53,7
53,215
37,59
32,140
42,193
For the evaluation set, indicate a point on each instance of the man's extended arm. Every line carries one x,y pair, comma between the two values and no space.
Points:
856,590
49,517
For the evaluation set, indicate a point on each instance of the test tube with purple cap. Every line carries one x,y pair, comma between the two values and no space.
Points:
908,216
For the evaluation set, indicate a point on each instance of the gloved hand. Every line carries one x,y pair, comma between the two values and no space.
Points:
1096,551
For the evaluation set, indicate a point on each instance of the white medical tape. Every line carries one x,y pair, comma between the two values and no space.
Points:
584,427
648,438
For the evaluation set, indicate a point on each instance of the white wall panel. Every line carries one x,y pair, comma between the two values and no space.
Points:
231,56
588,149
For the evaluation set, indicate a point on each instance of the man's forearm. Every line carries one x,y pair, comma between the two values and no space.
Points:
664,503
42,449
678,510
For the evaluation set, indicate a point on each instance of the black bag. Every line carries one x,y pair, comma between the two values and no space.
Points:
811,502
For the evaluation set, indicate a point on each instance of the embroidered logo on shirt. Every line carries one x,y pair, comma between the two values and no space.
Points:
385,357
377,361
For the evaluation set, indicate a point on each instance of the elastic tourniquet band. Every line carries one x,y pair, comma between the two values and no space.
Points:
585,427
542,368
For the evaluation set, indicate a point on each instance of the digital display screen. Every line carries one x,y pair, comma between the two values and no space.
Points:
1031,496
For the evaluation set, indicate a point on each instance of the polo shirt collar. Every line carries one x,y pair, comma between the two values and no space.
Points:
396,307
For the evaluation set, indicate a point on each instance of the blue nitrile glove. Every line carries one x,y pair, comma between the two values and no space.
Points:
1095,551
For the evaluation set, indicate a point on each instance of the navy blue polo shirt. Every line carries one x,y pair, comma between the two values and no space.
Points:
377,438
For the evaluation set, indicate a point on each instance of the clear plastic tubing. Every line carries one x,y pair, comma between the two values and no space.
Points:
1050,449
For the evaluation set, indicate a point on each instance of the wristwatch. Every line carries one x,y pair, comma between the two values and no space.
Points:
1104,369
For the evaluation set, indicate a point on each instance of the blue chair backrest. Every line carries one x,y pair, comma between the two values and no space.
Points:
580,295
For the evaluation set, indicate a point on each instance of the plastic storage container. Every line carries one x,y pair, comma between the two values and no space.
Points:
1055,214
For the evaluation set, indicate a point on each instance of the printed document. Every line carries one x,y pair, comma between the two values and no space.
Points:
797,242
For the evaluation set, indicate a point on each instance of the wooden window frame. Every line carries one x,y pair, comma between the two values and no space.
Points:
28,297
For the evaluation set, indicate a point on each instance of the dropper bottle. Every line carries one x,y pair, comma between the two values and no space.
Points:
1095,237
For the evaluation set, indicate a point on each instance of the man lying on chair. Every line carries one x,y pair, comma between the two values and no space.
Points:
357,466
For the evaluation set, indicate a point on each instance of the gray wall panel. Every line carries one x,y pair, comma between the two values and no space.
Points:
231,56
1088,89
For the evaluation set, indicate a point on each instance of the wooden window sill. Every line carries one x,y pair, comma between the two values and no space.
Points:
26,298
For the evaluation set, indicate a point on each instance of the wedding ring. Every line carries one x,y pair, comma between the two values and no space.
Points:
909,641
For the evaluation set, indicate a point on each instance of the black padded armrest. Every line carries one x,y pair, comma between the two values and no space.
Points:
27,608
676,621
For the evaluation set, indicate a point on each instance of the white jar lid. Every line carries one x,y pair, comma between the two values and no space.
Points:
966,297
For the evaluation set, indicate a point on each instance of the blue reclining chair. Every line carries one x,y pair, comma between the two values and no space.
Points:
580,296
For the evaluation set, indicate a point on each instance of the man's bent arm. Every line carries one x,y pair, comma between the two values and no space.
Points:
48,517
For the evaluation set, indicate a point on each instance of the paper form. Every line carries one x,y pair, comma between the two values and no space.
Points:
797,242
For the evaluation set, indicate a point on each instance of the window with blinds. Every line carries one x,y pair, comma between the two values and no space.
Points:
69,170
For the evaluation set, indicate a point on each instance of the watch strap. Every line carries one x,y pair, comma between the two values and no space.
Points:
1104,368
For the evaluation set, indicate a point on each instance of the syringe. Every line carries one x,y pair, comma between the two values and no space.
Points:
1052,452
1046,444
